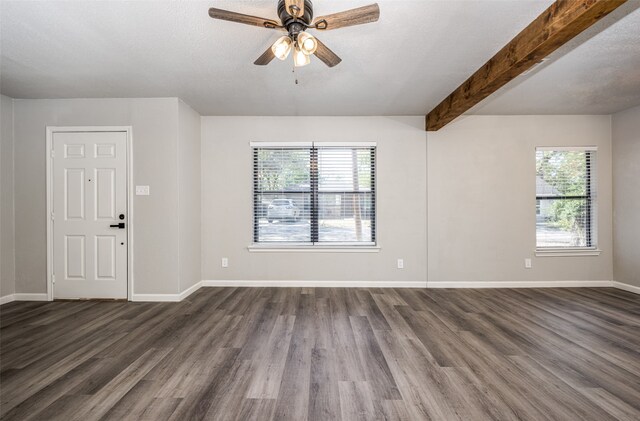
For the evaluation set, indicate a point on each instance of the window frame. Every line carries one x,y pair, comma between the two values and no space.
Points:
314,244
591,230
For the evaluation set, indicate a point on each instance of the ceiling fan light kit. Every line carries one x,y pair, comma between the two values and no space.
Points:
300,58
296,16
307,43
282,47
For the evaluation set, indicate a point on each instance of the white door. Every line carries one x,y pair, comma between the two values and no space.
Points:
89,202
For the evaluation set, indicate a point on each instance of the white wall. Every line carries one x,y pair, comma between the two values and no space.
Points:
7,235
227,199
155,128
626,196
482,198
189,195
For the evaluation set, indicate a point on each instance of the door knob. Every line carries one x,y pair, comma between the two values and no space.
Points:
119,225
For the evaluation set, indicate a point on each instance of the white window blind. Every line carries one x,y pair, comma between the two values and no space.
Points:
318,194
565,198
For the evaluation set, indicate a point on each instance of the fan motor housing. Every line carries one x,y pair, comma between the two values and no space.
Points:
295,25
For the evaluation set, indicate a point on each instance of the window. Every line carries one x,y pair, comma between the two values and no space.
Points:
314,193
565,198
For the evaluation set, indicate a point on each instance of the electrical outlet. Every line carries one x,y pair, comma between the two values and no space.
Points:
225,262
527,263
142,190
400,263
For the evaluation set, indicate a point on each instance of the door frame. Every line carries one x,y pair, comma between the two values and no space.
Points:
129,182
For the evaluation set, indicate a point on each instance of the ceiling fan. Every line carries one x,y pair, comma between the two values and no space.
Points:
296,16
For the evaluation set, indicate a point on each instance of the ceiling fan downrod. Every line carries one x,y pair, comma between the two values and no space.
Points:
291,21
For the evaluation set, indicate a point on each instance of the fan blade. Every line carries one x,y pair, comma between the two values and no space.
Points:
326,55
298,7
265,58
241,18
365,14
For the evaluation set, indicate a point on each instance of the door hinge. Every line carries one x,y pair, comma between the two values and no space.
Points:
53,279
53,217
53,154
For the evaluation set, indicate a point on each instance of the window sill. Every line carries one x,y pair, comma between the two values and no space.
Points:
279,248
559,252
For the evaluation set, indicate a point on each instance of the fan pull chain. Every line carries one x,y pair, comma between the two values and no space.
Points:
294,74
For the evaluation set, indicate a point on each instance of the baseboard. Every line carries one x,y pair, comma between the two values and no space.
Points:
161,298
193,288
25,296
626,287
349,284
313,284
256,284
167,298
7,299
518,284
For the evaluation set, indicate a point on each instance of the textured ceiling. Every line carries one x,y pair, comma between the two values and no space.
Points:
597,73
405,64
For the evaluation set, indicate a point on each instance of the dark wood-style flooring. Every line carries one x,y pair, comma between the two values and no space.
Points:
327,354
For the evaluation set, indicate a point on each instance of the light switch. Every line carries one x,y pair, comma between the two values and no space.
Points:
527,263
142,190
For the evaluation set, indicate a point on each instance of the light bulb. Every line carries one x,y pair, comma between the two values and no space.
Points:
282,47
300,58
307,43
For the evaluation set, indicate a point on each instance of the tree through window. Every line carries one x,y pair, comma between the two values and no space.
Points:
565,198
315,194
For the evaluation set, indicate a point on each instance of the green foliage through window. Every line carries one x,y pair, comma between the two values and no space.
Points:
565,198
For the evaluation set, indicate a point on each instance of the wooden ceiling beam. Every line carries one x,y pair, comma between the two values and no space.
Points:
557,25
